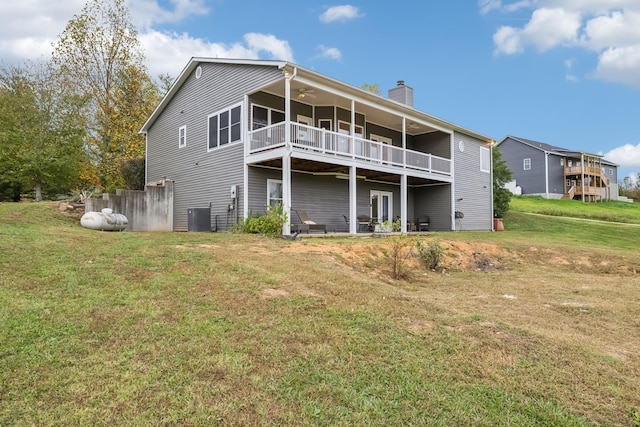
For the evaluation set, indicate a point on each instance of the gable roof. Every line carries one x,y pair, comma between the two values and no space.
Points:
334,84
552,149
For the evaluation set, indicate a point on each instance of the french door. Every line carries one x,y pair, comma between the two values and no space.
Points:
381,206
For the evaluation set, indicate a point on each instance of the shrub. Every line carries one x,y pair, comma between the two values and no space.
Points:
401,251
431,254
269,224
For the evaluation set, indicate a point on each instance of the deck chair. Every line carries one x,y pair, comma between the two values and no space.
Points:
307,224
364,221
422,223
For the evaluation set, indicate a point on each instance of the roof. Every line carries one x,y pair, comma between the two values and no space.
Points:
552,149
334,84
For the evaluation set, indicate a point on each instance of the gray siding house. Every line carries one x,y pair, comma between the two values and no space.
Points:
237,136
554,172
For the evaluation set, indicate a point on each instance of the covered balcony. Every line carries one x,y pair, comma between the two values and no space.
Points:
337,147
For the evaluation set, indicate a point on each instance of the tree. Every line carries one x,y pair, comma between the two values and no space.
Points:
373,88
501,175
42,135
630,187
99,51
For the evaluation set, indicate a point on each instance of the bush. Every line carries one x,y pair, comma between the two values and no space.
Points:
431,254
401,251
269,224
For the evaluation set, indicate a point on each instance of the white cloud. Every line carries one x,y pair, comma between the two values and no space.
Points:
487,6
34,25
610,28
627,155
340,14
146,13
30,27
508,40
620,65
547,29
170,52
330,52
568,64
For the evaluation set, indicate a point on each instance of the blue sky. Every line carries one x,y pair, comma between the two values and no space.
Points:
563,72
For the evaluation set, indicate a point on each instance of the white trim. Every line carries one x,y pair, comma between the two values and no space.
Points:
274,181
330,121
182,136
379,138
217,113
380,195
269,114
488,154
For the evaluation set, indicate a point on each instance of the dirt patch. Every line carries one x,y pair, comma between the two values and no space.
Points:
71,209
374,254
273,293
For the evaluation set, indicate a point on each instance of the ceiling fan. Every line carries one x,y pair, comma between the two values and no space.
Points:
303,93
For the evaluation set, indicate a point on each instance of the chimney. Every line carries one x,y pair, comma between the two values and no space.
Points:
402,93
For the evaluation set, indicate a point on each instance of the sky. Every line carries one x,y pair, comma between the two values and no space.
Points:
562,72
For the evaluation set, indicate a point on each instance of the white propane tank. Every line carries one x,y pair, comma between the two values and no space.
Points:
105,220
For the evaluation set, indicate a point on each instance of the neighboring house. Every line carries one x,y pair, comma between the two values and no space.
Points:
554,172
240,135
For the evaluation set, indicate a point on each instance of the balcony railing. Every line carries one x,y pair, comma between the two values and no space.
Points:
334,144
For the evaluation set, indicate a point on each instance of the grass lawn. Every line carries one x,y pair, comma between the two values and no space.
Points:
606,211
538,325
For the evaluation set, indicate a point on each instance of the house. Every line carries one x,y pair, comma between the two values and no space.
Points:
554,172
236,136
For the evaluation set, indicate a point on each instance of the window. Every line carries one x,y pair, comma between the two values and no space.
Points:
485,160
182,136
274,192
263,116
526,164
225,127
561,162
611,172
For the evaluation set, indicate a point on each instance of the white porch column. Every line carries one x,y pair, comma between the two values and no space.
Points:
403,180
245,172
404,142
353,199
286,159
403,203
453,182
286,193
353,128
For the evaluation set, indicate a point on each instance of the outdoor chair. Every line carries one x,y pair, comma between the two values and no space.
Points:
307,224
422,223
364,221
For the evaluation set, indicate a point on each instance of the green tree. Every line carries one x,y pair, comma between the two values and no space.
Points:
42,134
501,175
373,88
100,53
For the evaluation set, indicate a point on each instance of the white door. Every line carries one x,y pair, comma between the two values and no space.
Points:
381,206
378,151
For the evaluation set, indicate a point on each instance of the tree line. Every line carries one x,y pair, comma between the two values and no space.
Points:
69,123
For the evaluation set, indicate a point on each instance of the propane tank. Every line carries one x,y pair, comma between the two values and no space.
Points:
104,220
